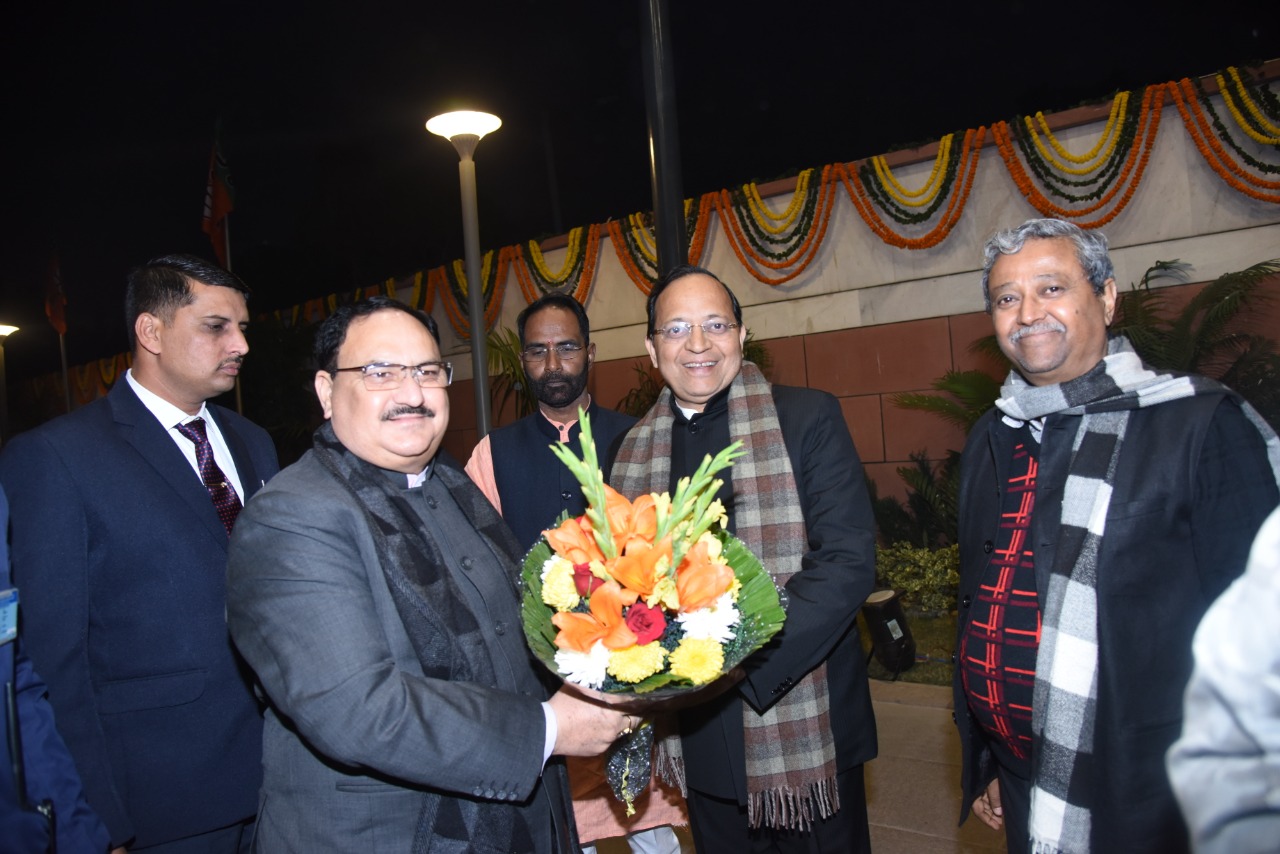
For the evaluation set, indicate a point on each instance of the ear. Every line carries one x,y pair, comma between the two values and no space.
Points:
653,354
1108,297
591,354
148,330
324,393
742,335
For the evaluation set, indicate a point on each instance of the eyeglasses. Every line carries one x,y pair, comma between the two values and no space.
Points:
566,350
381,376
679,330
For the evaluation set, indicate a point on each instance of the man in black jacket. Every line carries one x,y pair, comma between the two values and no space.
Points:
1103,506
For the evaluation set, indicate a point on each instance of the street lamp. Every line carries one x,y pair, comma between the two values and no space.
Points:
5,332
464,129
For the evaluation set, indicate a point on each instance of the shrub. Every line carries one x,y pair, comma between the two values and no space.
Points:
927,579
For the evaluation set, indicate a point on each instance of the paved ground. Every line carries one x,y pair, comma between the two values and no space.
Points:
913,792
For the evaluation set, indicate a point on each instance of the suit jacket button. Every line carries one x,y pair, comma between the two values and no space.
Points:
987,547
500,628
566,495
953,658
953,718
467,563
432,503
966,601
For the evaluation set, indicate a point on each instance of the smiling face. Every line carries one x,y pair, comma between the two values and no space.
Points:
195,354
556,382
698,366
398,429
1048,320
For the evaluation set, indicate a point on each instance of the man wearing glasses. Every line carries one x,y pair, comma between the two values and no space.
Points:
372,589
774,763
514,465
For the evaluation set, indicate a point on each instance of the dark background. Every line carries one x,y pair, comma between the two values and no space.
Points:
109,112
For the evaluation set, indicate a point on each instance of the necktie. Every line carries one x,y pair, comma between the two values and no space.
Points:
225,500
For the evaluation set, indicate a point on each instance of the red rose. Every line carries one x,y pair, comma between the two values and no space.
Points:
584,580
646,623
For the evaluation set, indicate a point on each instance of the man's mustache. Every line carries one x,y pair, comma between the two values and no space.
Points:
1035,329
234,360
424,411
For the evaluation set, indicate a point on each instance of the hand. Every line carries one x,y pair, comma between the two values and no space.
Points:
587,722
120,850
987,806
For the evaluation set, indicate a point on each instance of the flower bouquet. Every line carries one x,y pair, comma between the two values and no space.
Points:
651,597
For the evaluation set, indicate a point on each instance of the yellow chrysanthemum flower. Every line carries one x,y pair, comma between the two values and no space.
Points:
664,593
636,662
558,588
699,660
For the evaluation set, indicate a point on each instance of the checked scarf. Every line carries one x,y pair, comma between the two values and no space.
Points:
1065,696
790,749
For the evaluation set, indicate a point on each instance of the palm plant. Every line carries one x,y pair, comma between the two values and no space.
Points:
507,370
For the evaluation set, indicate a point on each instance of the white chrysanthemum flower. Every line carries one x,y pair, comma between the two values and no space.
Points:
584,668
715,622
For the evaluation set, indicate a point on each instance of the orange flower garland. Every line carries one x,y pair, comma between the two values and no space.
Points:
1211,150
969,153
1139,155
803,255
586,277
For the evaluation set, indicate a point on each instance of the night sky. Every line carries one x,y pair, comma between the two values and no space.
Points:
110,111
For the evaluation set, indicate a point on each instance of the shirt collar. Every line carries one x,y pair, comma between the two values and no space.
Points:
164,411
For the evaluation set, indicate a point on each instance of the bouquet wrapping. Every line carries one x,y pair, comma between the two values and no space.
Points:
649,598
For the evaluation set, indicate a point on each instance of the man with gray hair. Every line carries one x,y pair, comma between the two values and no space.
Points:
1103,506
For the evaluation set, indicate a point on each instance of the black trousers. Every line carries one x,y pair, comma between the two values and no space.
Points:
1015,801
719,826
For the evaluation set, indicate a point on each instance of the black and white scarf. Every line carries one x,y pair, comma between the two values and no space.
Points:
1065,697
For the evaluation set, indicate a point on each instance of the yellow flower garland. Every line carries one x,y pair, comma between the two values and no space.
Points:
1118,106
1240,120
764,218
570,257
1249,102
890,184
1111,135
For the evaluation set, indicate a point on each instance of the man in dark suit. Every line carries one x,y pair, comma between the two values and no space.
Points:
121,513
373,589
777,763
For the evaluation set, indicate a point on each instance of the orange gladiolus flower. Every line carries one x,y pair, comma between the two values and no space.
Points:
574,541
605,623
638,569
632,523
699,580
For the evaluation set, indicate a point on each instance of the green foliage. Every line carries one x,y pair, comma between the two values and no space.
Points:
507,371
1206,336
968,395
929,517
927,579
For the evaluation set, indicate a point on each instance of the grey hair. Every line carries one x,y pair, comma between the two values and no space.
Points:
1091,250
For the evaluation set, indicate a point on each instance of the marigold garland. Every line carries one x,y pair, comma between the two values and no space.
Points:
1130,176
576,275
493,279
932,185
1108,137
1184,97
880,195
1224,134
1101,181
812,229
1243,95
1118,105
967,166
778,223
631,244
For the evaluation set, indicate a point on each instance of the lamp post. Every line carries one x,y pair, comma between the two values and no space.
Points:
464,129
5,332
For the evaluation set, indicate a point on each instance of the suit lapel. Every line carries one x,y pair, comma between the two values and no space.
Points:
250,480
152,441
